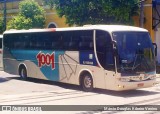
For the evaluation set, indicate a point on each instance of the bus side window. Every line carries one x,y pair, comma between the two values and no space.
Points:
84,45
47,41
56,40
40,45
75,40
66,38
19,45
73,44
7,41
86,41
40,40
50,41
33,42
104,50
48,44
19,42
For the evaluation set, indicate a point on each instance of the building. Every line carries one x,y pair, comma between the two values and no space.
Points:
156,25
52,19
151,21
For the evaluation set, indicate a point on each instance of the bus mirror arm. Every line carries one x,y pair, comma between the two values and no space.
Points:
114,42
115,48
155,46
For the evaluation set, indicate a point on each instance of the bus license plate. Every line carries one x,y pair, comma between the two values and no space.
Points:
140,84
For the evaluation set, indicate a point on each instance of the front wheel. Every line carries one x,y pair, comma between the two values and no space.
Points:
87,82
23,73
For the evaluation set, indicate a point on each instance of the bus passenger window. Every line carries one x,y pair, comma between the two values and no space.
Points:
40,45
104,49
73,46
86,42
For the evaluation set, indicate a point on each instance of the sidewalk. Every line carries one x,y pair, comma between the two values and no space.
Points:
158,75
158,78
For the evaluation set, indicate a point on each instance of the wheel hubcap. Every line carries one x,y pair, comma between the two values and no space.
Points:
23,73
87,82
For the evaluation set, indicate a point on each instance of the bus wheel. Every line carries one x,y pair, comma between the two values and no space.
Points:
23,73
87,82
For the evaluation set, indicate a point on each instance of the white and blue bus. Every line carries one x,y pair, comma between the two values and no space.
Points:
110,57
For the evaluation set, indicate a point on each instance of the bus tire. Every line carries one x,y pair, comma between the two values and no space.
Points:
86,82
23,72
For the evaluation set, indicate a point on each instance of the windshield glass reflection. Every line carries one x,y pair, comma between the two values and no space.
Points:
135,52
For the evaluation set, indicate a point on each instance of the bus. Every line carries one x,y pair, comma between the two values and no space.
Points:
1,63
113,57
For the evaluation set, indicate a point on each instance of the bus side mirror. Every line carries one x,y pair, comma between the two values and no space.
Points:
155,48
115,49
114,43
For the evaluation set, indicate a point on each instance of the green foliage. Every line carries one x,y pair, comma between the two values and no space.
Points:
1,25
20,22
50,3
82,12
31,15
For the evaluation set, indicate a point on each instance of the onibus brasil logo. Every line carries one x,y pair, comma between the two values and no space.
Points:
46,59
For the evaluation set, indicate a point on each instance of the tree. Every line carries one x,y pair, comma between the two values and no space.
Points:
20,22
82,12
31,15
1,25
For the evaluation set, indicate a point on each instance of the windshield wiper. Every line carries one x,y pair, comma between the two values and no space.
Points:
143,62
134,67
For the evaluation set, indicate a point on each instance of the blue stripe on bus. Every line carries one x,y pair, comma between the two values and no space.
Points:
31,55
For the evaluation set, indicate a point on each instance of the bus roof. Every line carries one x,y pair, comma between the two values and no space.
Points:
109,28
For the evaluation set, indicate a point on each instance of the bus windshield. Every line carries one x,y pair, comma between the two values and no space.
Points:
135,52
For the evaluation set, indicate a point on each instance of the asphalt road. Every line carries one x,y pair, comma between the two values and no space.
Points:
39,92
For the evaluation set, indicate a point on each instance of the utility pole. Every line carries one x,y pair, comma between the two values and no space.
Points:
5,15
141,13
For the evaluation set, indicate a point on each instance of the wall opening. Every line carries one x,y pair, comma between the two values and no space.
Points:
52,25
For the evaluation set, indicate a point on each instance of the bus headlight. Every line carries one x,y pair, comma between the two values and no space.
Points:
124,79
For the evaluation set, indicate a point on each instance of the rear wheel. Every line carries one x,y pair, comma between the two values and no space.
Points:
23,73
87,82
